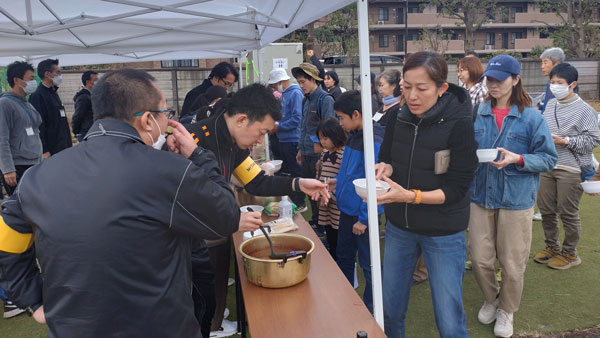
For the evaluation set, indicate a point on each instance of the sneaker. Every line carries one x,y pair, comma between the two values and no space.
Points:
504,324
564,261
228,328
11,309
544,256
537,216
487,313
226,313
302,208
468,265
230,281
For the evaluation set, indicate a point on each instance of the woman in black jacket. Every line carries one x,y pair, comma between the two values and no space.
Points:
428,158
332,84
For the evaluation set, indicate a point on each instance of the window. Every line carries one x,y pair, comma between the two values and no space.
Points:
400,16
384,41
514,11
384,14
179,63
515,35
412,37
490,14
399,43
453,36
544,35
414,9
504,40
440,9
490,38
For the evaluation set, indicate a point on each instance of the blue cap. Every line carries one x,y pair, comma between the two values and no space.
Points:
315,139
502,66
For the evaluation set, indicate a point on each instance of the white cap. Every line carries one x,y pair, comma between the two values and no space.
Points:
278,74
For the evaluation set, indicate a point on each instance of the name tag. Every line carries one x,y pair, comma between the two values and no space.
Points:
62,113
29,131
377,117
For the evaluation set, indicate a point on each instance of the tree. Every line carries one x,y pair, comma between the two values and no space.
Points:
576,34
340,35
472,13
433,39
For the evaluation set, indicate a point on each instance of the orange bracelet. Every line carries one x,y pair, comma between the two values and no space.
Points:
418,196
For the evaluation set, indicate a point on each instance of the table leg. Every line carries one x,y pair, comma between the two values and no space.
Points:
239,301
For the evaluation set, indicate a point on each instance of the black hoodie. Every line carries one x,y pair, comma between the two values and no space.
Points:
410,144
83,118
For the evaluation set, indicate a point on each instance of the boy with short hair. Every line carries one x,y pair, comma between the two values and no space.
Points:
352,233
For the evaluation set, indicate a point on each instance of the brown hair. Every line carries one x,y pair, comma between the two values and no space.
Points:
473,66
518,97
434,65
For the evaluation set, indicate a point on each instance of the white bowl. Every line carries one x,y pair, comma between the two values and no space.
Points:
591,187
276,164
254,208
360,185
487,155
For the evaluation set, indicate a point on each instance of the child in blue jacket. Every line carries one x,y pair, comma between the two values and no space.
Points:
352,233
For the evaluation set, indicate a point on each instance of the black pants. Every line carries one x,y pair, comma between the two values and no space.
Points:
20,170
332,235
288,151
309,171
219,259
203,292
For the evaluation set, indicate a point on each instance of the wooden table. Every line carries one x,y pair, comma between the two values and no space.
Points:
323,305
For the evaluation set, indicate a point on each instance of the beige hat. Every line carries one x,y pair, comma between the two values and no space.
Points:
309,69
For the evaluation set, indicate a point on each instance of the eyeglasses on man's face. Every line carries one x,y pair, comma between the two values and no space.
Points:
169,112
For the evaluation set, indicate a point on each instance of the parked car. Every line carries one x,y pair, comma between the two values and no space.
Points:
375,59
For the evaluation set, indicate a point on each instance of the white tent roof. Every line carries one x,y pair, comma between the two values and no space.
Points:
108,31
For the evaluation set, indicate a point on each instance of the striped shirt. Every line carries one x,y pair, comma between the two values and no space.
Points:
576,120
329,215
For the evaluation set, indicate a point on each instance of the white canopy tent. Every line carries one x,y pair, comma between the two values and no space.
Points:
85,32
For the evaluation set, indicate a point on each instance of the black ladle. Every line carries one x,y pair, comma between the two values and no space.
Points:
274,255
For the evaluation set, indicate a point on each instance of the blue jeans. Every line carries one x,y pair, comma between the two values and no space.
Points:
445,259
347,246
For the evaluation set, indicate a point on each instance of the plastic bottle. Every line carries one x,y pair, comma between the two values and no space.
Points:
285,208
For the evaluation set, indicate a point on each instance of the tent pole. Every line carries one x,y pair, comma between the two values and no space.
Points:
241,74
373,228
260,80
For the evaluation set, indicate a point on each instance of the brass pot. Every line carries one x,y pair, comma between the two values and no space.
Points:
276,273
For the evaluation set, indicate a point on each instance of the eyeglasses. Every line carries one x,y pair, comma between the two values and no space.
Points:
227,84
169,112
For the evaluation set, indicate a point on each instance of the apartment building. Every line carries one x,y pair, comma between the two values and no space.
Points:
514,26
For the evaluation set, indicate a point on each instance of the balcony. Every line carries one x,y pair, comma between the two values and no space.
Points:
454,46
525,45
415,20
533,18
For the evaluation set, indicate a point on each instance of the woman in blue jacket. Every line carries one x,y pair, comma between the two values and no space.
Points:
503,191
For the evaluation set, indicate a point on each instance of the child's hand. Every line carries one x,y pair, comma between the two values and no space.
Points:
358,228
331,184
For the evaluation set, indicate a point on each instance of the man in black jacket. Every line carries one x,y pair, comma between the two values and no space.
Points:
84,116
54,131
224,74
113,233
251,113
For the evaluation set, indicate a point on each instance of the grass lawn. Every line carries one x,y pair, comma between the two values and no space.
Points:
553,300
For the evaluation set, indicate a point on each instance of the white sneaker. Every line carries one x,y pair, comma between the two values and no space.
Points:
487,313
226,313
537,216
230,281
504,324
228,328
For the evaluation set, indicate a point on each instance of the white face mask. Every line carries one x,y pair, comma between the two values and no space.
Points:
559,91
57,80
161,138
280,88
30,87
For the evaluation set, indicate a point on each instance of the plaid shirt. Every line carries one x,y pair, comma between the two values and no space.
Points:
478,92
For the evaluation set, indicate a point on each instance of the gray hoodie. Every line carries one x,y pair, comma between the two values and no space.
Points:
20,142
